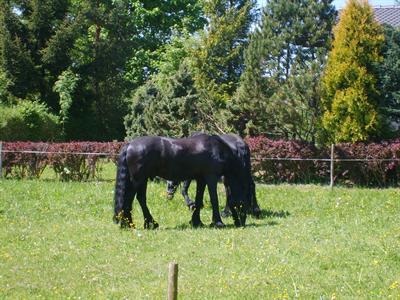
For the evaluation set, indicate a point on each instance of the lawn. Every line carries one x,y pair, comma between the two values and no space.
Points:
58,241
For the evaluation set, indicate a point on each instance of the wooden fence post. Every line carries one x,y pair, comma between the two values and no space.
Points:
173,281
332,165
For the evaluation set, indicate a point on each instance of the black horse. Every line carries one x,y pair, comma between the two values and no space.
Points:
202,157
242,152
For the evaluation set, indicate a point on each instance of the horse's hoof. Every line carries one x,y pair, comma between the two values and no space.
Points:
225,213
237,223
125,223
256,213
151,225
218,224
196,224
192,206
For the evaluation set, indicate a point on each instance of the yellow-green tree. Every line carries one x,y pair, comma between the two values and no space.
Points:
350,100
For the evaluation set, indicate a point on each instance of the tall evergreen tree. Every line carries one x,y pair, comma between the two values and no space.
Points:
26,28
388,83
165,105
217,59
350,80
278,93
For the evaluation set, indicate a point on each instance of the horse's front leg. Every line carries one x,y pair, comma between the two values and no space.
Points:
255,209
212,182
200,187
149,222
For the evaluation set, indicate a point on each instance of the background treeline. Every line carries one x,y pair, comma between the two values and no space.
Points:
109,70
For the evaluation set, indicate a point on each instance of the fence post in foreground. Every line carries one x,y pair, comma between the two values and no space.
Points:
172,281
332,165
1,162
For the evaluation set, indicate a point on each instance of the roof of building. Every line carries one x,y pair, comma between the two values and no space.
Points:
388,14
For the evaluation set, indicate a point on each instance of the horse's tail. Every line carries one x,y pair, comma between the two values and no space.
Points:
123,185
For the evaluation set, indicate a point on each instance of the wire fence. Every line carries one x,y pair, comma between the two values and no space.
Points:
88,163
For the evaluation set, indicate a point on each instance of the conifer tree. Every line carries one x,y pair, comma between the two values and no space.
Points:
389,84
217,59
278,93
350,100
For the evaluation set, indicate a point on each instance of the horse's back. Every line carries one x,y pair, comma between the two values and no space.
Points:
175,159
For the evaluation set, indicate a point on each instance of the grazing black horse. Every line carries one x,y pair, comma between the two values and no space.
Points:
202,157
242,152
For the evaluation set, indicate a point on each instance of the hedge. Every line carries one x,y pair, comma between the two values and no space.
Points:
365,173
67,161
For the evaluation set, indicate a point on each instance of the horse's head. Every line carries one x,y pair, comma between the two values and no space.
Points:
239,200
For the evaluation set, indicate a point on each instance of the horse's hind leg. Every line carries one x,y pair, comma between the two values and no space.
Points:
226,212
212,182
185,194
171,189
149,222
200,187
125,215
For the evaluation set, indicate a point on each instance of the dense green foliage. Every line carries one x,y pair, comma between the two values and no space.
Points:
110,46
58,241
350,79
217,58
197,76
389,85
165,106
28,121
278,94
111,70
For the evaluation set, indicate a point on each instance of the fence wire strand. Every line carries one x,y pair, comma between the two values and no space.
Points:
253,158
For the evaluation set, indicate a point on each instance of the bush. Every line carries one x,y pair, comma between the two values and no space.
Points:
70,163
17,164
28,121
366,173
292,171
66,159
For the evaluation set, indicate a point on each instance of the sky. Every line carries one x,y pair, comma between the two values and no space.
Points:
341,3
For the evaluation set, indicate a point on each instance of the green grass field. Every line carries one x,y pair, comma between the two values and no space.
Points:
57,240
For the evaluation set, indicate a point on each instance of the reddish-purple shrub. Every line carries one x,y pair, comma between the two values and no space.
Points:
18,164
376,165
79,160
266,166
346,171
70,161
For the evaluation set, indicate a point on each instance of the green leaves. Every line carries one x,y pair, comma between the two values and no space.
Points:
65,87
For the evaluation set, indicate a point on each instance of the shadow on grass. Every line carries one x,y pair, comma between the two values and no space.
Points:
267,213
187,226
